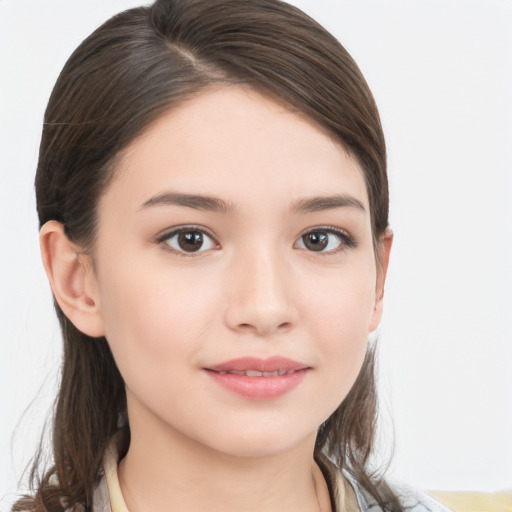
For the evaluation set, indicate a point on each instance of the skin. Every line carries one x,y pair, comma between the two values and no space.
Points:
253,289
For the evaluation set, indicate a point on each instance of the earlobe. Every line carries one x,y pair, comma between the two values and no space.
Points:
71,277
384,250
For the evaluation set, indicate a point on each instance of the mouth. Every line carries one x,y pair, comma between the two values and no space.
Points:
259,379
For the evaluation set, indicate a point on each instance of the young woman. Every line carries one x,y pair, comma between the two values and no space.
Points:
213,203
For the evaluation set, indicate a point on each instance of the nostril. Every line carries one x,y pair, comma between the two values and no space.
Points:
250,327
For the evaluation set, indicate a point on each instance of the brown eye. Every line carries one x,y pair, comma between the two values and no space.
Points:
189,240
316,241
325,240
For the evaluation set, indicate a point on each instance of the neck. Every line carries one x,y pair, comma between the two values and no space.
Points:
164,469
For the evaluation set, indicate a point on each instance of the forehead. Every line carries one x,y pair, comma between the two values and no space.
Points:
238,144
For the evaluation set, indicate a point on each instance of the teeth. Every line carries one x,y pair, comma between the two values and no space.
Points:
256,373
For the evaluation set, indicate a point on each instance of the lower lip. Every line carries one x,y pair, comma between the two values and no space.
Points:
259,388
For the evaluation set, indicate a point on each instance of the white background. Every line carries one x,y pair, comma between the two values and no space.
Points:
441,72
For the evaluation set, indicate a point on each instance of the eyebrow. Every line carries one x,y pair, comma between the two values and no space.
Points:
317,204
195,201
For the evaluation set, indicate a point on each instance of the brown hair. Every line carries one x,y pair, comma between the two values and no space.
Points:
118,81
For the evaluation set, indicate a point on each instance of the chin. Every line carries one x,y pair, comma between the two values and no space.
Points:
268,442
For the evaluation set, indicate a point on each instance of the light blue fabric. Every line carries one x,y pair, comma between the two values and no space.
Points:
411,499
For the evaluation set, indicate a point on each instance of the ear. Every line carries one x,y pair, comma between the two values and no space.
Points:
72,279
383,252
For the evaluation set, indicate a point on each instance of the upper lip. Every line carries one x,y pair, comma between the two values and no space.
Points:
270,364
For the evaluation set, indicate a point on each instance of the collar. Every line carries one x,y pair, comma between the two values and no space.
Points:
108,496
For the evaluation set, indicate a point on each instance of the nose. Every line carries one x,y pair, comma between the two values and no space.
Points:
261,298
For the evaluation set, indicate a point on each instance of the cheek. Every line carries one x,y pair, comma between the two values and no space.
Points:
341,303
339,318
154,319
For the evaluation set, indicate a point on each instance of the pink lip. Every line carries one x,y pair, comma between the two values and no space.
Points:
259,387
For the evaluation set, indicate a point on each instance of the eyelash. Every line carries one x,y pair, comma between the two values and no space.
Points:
346,241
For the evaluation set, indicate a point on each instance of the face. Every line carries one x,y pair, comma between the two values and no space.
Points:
235,275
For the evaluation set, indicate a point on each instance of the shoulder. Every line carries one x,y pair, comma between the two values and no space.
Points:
411,499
